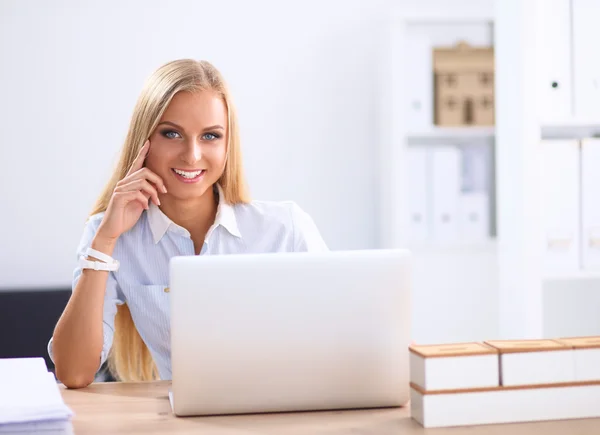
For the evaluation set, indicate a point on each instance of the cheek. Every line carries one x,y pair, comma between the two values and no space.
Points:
217,156
158,156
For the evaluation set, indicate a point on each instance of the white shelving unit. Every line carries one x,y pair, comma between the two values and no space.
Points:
535,47
494,288
450,134
455,283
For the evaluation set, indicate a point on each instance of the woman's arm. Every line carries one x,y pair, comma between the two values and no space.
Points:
78,338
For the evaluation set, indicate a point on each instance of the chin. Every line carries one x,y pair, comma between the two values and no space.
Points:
183,191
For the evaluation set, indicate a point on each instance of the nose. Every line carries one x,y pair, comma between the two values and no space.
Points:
192,152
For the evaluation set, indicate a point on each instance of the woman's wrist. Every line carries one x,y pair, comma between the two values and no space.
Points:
106,245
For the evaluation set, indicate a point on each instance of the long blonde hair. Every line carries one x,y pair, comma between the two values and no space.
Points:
130,358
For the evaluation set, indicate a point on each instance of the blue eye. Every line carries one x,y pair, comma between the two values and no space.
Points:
170,134
213,135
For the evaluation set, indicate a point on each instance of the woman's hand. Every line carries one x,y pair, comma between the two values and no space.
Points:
130,198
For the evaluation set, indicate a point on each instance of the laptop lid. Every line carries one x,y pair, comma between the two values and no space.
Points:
290,331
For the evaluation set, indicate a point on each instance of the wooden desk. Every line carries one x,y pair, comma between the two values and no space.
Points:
143,408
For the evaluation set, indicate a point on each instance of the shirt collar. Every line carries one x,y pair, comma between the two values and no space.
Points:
160,223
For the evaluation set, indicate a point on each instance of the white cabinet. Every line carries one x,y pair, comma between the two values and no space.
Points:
586,60
554,60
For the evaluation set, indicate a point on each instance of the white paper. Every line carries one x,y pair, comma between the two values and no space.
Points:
29,393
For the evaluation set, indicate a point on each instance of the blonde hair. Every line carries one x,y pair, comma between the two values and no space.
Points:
130,358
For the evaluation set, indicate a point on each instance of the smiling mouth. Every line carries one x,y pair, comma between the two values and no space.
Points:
189,176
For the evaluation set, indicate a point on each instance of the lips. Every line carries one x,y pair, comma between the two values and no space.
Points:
188,176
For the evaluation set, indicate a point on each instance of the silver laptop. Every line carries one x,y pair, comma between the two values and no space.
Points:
254,333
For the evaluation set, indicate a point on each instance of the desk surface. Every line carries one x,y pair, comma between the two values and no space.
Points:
136,408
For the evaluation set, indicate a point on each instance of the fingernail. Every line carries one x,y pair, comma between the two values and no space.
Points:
164,189
158,201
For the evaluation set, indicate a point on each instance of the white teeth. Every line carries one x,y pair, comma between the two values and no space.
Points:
187,174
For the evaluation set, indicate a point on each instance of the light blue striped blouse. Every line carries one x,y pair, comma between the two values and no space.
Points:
145,250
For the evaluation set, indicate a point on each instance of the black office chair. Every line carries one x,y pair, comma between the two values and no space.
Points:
27,321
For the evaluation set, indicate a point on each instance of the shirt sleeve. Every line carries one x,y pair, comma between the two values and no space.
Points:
112,296
306,234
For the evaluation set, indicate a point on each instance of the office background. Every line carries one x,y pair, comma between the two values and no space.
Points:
336,102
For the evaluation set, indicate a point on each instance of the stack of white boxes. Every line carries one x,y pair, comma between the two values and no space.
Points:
505,381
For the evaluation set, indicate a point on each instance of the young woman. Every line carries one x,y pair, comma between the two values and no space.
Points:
178,189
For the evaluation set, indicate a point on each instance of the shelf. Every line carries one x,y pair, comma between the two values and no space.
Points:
441,247
576,276
574,128
572,123
451,134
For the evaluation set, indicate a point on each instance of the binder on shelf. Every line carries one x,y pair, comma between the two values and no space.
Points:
419,106
559,172
418,194
590,204
474,217
445,176
474,198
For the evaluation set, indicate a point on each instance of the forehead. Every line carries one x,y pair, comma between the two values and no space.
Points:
196,110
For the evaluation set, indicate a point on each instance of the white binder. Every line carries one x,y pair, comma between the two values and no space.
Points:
419,194
419,106
559,169
474,198
590,203
445,176
474,217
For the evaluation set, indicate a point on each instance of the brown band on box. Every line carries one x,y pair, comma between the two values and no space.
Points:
503,388
524,346
452,350
581,342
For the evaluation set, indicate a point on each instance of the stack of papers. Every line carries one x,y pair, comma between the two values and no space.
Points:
30,399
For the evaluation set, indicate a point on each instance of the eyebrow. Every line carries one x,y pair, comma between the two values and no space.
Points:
212,127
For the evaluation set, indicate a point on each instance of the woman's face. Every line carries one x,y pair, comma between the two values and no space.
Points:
188,149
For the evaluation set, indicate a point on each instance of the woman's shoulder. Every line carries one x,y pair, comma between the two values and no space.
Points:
281,211
95,219
92,223
281,214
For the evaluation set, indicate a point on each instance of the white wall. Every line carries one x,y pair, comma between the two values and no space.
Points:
303,74
571,308
455,297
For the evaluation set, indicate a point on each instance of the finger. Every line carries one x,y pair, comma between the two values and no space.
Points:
138,163
141,185
133,195
139,196
144,173
152,177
